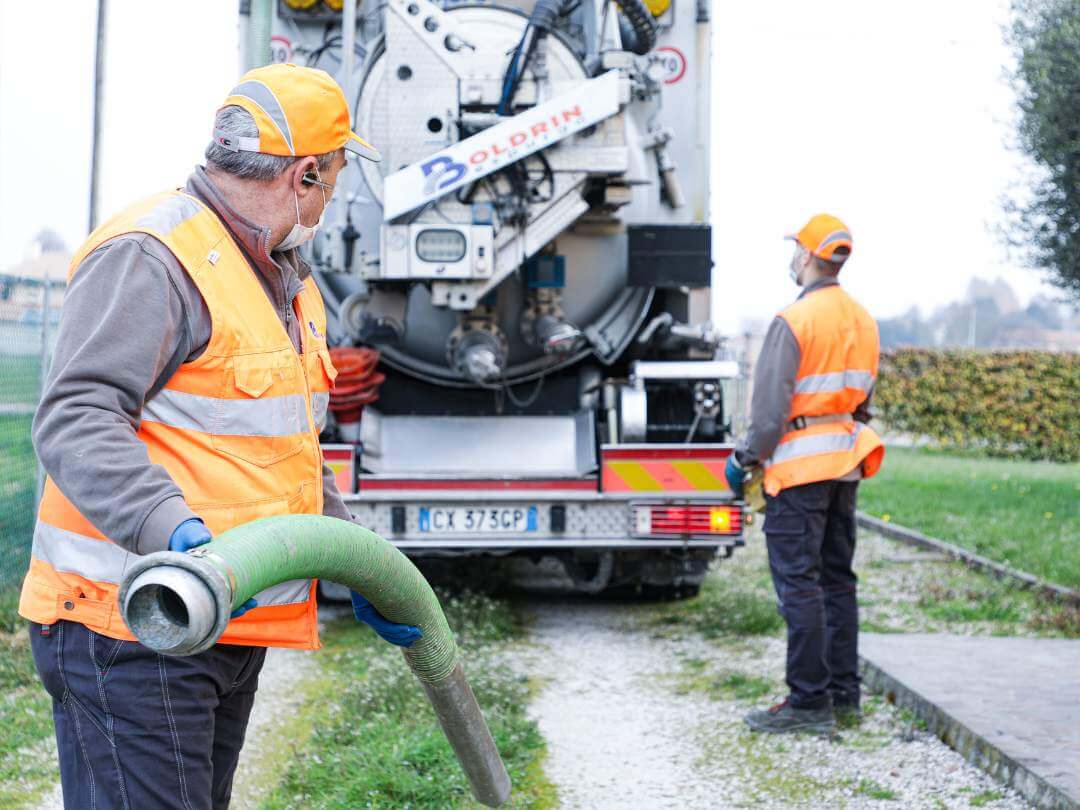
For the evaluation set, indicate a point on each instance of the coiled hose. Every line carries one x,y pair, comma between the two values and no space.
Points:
179,604
637,28
547,12
642,24
357,382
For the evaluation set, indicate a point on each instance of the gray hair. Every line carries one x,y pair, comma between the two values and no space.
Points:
234,120
832,266
829,267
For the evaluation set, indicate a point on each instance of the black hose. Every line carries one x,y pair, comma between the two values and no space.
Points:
543,18
641,22
546,13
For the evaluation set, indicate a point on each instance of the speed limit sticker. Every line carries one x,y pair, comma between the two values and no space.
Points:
673,62
280,49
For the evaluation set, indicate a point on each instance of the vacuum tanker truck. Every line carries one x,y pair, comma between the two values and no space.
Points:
520,290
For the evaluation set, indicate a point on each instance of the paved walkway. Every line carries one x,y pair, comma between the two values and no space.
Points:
1010,705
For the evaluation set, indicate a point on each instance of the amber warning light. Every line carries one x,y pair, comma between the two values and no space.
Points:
687,519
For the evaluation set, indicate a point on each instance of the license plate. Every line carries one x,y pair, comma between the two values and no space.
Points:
477,519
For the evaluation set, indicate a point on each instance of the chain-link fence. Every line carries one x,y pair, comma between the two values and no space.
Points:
29,313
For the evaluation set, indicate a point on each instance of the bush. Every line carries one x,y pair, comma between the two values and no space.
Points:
1020,403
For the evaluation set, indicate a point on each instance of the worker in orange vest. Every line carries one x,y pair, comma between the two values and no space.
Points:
188,388
809,435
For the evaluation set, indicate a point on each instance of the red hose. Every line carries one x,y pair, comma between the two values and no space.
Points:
357,382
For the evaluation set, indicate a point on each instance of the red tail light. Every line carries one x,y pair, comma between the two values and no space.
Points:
687,519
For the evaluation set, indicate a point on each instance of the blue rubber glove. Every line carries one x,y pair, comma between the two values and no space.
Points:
735,475
403,635
244,608
191,533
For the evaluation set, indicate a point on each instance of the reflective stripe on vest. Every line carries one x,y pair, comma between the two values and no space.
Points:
835,381
69,552
803,446
270,416
236,429
320,402
838,362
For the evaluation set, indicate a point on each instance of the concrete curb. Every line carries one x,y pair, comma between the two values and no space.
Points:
974,748
969,558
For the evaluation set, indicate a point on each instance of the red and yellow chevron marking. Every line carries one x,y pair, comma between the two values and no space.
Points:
657,471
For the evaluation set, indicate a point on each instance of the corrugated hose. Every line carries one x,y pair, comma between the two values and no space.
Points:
179,604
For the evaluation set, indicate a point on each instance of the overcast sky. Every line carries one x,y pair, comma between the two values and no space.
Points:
897,118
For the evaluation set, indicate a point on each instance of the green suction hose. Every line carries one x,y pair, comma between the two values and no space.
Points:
179,604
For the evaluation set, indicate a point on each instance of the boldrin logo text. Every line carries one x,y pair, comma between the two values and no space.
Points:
441,172
510,140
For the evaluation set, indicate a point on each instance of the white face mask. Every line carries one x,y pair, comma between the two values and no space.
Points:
301,233
793,269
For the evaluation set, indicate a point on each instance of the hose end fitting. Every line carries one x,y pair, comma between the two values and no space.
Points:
175,604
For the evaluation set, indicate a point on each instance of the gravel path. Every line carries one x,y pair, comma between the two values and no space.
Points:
612,740
638,715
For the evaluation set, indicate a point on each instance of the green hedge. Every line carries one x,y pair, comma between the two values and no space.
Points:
1022,404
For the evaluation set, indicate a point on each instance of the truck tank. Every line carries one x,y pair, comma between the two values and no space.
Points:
531,259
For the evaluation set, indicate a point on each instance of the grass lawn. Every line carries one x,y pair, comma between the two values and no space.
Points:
18,470
21,376
369,738
376,742
27,754
1023,513
739,603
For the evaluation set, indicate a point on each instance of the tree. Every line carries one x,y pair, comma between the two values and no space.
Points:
1046,225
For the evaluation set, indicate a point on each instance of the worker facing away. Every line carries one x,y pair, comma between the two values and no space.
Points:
188,387
809,437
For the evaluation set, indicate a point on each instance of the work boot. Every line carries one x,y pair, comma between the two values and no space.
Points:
784,718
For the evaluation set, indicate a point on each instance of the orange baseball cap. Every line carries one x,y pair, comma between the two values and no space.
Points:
822,235
299,111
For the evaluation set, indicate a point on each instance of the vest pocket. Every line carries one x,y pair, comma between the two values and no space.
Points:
223,515
321,373
328,367
263,419
254,380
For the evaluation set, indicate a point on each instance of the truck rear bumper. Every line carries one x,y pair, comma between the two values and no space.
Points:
570,543
563,520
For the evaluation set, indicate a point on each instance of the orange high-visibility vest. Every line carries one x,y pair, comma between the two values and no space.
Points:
237,429
838,344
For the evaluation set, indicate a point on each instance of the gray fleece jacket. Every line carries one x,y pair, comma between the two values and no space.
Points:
131,316
774,387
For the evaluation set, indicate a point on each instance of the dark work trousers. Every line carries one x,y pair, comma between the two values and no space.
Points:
810,532
138,730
